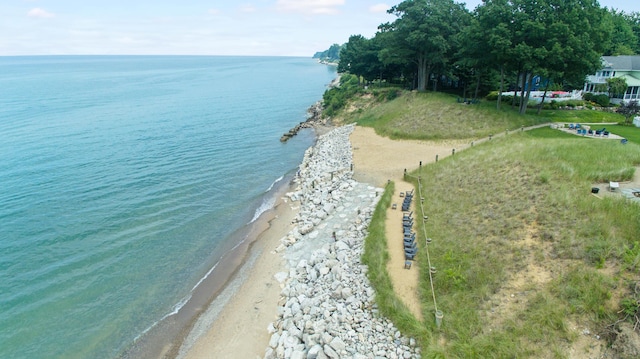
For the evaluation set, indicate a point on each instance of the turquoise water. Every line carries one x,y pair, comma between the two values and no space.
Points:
122,180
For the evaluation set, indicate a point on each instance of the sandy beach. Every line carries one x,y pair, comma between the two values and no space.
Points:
235,325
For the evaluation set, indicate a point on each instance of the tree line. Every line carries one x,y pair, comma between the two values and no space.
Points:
501,44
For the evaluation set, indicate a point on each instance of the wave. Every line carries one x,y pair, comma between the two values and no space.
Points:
267,204
274,183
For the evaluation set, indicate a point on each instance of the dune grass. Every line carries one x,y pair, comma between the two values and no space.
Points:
439,116
482,205
524,253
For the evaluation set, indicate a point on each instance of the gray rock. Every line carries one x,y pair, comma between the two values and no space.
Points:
338,345
315,351
329,352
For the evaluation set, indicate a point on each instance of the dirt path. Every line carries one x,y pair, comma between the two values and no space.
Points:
379,159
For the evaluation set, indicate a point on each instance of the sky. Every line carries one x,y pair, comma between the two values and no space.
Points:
194,27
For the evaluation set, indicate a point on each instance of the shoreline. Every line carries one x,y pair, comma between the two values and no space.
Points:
314,242
235,323
166,337
247,295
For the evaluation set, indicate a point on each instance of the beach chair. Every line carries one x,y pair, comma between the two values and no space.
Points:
407,264
410,254
590,132
394,206
572,126
411,248
624,141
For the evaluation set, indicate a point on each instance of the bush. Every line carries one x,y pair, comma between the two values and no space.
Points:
492,96
336,98
392,94
588,96
602,100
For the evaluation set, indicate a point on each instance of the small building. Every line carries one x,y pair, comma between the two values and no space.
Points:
627,67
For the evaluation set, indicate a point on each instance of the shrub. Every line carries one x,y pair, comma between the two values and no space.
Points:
602,100
336,98
492,96
588,96
392,94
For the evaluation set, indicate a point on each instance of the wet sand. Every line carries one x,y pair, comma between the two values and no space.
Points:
235,324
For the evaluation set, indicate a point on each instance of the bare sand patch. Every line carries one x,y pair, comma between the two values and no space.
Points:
378,159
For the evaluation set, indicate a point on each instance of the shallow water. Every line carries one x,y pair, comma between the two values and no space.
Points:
122,180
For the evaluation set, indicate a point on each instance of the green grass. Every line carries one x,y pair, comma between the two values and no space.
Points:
376,257
481,203
579,116
630,133
484,201
439,116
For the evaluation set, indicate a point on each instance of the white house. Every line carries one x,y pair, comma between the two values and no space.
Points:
627,67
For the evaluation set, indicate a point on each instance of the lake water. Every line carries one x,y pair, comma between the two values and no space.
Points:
123,180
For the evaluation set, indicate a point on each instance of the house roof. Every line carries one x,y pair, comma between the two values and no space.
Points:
622,63
631,80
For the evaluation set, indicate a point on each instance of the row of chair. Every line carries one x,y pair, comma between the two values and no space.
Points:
409,236
590,132
587,131
406,203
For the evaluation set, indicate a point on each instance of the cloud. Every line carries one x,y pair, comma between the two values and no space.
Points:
248,8
310,6
40,13
379,8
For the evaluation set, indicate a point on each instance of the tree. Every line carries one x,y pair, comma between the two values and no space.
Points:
629,110
561,39
423,34
332,54
617,86
623,40
634,21
490,37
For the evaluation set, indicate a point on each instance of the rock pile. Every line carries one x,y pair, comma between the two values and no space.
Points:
314,118
327,306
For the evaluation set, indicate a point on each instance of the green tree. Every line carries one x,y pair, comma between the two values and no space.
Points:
423,33
359,56
634,21
617,86
623,40
561,39
490,38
